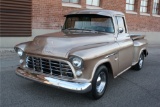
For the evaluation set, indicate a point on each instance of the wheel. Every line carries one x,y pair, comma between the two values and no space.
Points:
99,82
139,65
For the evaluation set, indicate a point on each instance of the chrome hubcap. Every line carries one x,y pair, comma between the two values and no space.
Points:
140,62
101,82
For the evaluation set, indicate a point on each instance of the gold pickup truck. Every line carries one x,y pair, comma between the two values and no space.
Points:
91,44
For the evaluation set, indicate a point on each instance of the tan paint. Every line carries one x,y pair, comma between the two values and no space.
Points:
120,50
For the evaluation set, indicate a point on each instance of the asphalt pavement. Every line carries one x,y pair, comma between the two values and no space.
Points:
131,89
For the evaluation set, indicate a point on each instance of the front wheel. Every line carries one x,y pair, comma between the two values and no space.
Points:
99,82
139,65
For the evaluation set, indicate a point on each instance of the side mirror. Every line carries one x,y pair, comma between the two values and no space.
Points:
120,30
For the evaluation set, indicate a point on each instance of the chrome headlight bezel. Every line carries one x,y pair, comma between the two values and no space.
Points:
19,51
77,62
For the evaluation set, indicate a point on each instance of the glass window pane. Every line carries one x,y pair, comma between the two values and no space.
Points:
141,9
74,1
65,0
131,7
157,1
89,22
132,1
89,2
154,5
121,23
95,2
127,1
145,3
144,9
127,6
141,3
153,11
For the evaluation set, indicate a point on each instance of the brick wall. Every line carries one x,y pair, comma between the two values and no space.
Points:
48,14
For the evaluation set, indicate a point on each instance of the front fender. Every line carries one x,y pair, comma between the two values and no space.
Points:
22,46
95,56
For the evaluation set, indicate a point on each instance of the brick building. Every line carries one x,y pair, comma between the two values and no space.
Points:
35,17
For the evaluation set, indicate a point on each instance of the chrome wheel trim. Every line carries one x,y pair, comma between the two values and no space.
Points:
101,82
141,62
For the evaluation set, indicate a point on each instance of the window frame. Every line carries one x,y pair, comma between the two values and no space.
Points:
124,22
146,6
131,4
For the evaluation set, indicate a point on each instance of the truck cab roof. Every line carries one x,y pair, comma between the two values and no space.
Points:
101,12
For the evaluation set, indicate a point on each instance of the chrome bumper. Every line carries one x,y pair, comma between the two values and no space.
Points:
70,86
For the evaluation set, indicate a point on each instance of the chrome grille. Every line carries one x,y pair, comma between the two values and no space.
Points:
46,66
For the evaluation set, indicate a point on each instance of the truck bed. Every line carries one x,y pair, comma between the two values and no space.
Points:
136,36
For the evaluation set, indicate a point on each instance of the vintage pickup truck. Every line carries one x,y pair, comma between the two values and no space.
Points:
79,58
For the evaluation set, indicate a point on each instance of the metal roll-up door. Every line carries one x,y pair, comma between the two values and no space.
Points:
15,18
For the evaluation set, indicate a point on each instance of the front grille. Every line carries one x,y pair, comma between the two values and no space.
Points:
46,66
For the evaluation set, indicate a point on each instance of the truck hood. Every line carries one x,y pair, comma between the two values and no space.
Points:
62,44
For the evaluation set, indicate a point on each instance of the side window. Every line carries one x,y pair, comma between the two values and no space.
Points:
121,23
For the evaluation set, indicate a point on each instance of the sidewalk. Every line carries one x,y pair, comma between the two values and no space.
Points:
8,58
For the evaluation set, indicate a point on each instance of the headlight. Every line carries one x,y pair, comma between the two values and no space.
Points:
77,62
20,52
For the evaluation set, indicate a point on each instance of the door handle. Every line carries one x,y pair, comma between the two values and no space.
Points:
116,59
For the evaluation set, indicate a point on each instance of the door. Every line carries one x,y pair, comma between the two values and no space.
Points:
125,46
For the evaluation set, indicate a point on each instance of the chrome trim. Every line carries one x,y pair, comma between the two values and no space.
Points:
101,82
122,72
66,85
134,63
111,54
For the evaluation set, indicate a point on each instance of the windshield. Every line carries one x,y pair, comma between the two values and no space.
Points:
95,23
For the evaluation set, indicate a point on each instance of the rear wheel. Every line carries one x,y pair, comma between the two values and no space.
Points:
99,82
139,65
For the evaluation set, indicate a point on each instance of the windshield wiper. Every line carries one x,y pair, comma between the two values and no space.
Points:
71,29
91,30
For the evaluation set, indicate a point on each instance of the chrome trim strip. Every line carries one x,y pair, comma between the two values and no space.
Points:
122,72
50,66
111,54
66,85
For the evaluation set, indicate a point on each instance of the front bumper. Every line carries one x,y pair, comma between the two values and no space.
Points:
66,85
